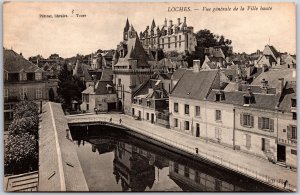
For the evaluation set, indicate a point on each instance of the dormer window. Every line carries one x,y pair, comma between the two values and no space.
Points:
148,103
140,101
249,98
134,100
38,76
220,96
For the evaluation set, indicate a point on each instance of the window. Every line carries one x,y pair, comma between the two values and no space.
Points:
294,103
265,123
23,93
186,172
248,141
186,109
291,132
119,82
140,101
294,115
294,152
175,122
147,116
38,93
218,115
176,107
87,107
197,111
148,103
247,120
176,168
265,144
218,133
38,76
175,41
187,125
169,41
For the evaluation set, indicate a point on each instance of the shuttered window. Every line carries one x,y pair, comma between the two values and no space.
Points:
265,123
247,120
218,115
291,132
265,144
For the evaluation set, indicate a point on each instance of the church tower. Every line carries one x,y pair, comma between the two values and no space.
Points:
126,29
130,68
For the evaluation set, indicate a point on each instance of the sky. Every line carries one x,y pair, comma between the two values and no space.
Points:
102,28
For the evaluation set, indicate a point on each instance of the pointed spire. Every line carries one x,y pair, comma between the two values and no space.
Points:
153,24
126,28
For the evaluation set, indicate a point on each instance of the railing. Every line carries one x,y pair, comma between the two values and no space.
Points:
279,183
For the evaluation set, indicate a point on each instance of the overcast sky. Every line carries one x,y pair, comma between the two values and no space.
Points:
102,28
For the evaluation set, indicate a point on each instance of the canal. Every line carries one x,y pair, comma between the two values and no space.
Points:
116,160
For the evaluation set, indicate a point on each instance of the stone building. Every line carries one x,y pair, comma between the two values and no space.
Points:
24,80
130,68
175,36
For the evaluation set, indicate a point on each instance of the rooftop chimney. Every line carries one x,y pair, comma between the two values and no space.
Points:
184,21
280,85
171,23
178,19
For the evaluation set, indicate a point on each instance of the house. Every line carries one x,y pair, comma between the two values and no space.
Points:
150,103
100,97
287,126
287,61
214,58
187,100
269,58
24,80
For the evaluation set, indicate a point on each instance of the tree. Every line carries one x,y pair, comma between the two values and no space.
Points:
21,154
23,125
205,39
69,87
26,109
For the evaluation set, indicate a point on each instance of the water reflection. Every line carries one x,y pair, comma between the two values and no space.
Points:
140,166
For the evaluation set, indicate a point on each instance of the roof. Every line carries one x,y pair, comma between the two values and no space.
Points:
273,75
270,50
89,90
195,85
216,52
154,84
107,75
14,62
262,101
136,52
178,73
101,87
288,93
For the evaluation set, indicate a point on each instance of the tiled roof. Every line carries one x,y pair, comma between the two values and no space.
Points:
270,50
216,52
178,73
262,101
135,51
195,85
14,62
102,86
107,75
273,75
289,92
89,90
151,83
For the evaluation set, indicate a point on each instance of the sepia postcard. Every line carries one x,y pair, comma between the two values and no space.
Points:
149,96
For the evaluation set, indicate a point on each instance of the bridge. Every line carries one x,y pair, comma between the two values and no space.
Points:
236,161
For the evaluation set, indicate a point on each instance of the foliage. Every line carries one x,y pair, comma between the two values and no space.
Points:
21,154
23,125
205,39
26,109
69,87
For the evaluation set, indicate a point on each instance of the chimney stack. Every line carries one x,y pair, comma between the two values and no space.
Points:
165,21
178,19
280,85
171,23
184,21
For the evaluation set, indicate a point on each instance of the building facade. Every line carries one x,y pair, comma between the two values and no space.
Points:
177,37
